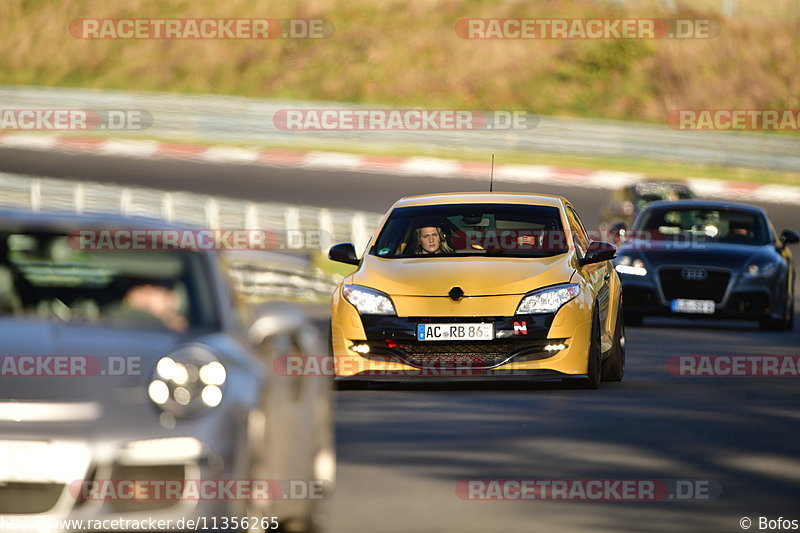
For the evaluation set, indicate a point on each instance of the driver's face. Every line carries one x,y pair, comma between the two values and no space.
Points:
429,240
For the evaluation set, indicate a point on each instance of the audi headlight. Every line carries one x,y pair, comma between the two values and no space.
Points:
548,300
763,270
369,301
628,265
188,381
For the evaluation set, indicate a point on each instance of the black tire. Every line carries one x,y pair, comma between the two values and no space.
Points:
352,385
633,320
785,323
769,325
613,368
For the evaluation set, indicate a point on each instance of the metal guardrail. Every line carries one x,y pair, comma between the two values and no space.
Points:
219,119
257,274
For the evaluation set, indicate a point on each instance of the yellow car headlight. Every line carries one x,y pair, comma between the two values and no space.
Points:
369,301
548,300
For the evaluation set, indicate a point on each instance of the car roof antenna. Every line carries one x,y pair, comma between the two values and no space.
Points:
491,176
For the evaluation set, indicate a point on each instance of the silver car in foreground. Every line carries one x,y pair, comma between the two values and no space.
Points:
134,385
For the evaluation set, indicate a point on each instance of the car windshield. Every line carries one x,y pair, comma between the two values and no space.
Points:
47,276
647,193
707,224
472,230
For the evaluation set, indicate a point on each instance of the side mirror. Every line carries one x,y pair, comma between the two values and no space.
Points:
284,338
789,237
598,252
343,253
282,328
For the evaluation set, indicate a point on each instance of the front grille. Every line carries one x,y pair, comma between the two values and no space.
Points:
674,285
456,354
28,498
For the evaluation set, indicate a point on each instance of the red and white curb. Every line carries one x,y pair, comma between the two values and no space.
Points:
408,166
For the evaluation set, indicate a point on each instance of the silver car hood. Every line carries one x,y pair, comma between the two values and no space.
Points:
111,404
116,360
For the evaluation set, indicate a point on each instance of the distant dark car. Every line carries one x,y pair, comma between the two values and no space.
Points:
626,203
705,258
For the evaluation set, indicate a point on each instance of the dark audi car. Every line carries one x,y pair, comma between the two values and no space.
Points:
707,259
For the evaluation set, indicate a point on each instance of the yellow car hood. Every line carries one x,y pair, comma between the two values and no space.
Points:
477,276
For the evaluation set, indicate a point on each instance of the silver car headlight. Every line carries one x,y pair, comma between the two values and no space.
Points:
188,381
548,300
369,301
632,266
761,270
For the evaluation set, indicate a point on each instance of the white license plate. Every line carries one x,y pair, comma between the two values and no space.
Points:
461,332
704,307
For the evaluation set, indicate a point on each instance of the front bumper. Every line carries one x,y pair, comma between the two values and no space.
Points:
105,475
747,299
517,351
115,489
454,376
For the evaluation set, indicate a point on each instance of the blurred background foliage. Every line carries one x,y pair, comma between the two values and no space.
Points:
399,52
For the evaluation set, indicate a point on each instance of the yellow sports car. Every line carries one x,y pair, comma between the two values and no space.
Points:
479,285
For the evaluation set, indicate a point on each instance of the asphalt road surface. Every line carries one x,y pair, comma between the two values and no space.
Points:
403,450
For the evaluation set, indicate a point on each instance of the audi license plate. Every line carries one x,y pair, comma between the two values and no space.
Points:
703,307
460,332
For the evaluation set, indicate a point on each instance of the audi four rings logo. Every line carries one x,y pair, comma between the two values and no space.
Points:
694,274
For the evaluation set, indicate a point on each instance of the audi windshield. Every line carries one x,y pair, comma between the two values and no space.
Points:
718,225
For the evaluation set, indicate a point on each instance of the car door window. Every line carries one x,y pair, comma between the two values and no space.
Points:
579,237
